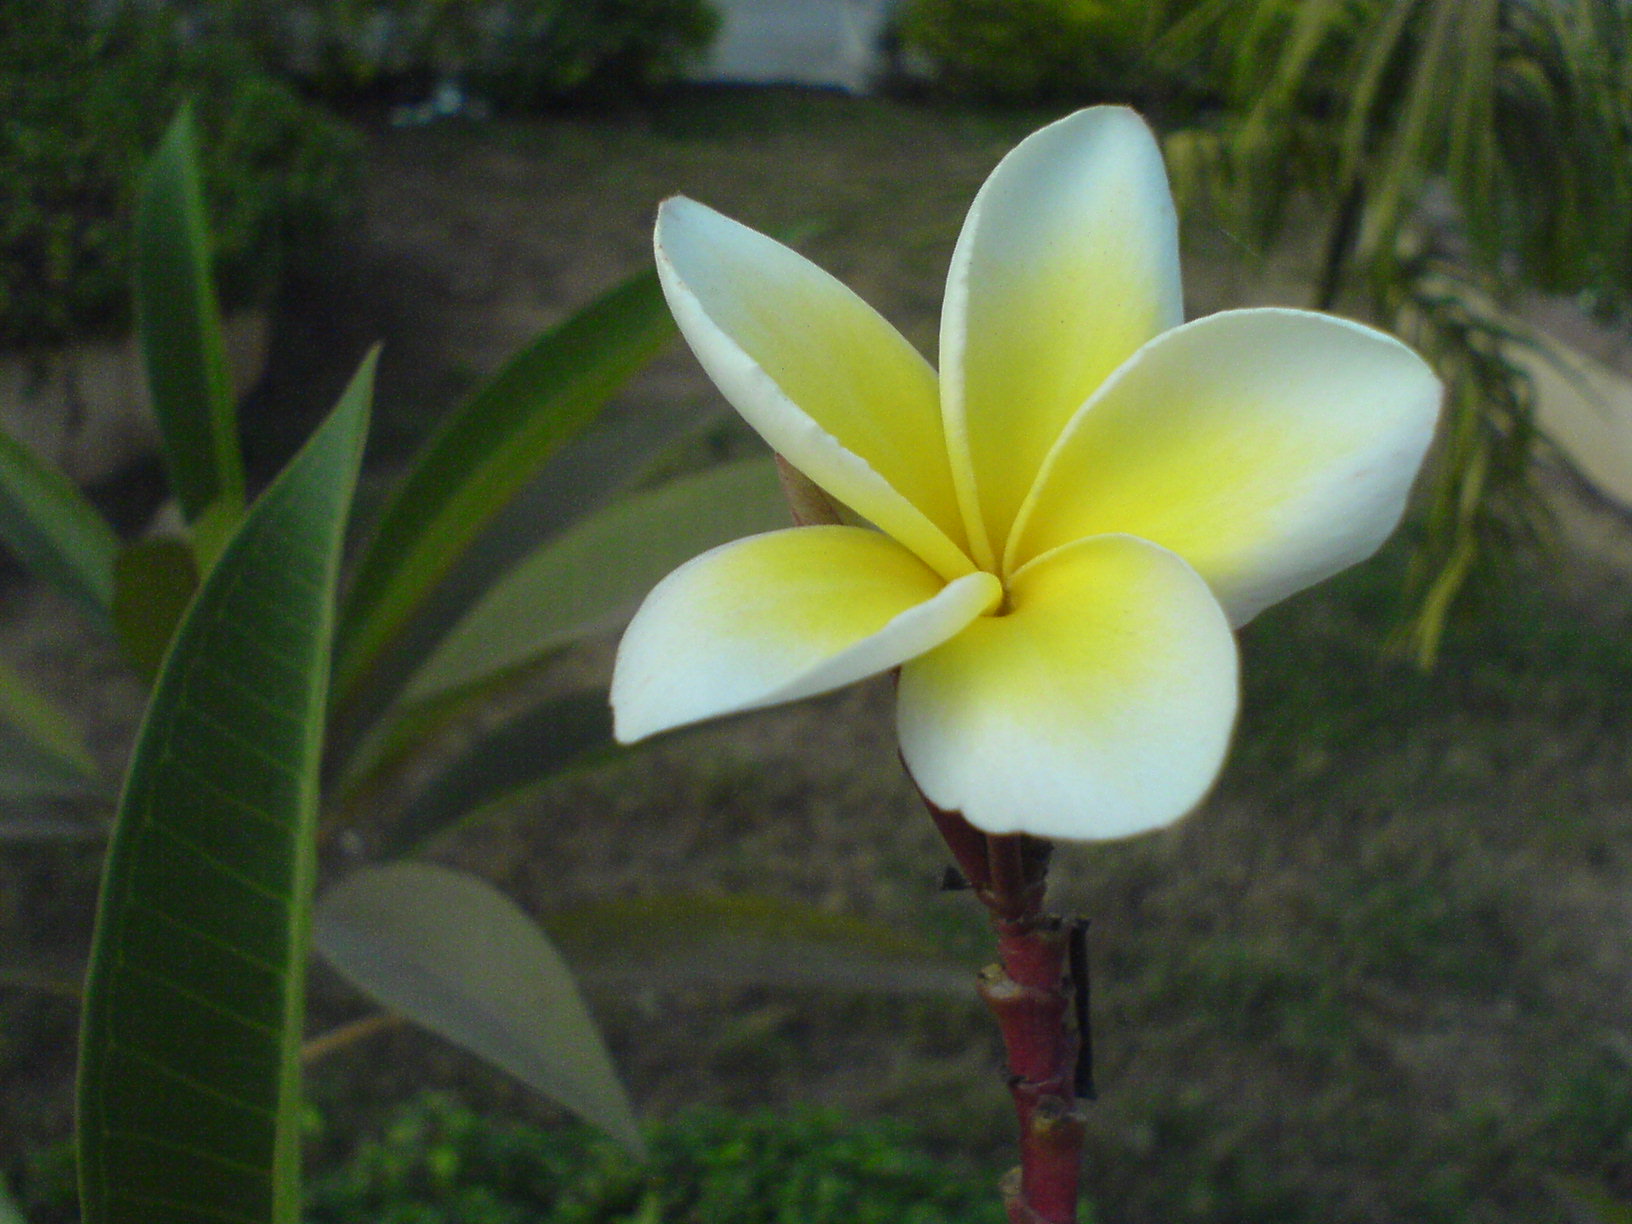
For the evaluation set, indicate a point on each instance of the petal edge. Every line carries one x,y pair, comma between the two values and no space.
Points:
778,617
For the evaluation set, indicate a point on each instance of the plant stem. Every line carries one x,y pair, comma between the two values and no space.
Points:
1031,993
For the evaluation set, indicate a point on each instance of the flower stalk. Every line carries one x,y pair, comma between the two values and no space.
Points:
1033,991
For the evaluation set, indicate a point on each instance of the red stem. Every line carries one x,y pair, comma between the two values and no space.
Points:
1030,993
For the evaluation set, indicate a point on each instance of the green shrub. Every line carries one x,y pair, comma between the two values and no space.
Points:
84,100
517,52
1046,51
607,47
438,1163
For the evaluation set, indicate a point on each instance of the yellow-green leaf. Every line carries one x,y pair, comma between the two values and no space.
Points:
452,953
50,527
50,757
748,940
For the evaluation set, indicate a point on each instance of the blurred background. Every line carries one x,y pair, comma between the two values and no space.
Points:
1384,974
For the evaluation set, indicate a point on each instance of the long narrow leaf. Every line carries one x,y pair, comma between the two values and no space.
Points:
584,581
592,575
588,472
484,454
42,756
37,719
452,953
54,531
180,326
189,1050
507,765
679,941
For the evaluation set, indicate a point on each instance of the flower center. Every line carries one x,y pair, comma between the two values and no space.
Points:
1004,606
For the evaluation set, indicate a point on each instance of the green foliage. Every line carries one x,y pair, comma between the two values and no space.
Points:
1481,508
441,1164
1462,150
593,574
41,751
48,525
518,52
606,47
194,1003
85,99
189,1072
500,768
1458,151
1053,51
483,454
1521,110
466,499
179,322
438,1162
451,952
44,1185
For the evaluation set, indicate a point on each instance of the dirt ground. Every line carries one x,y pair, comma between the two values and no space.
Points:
1383,975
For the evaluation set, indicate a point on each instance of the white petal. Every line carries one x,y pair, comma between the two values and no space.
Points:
1098,706
781,616
1268,448
1067,263
825,380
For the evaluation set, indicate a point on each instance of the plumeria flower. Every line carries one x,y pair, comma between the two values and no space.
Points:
1062,528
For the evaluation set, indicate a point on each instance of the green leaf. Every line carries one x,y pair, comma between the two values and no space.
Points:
452,953
584,474
748,940
209,532
591,577
154,581
33,783
179,323
507,765
44,731
54,531
483,455
189,1068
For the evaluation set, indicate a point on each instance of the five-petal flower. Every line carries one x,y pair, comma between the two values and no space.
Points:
1070,519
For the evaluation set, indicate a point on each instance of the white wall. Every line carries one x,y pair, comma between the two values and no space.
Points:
797,42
